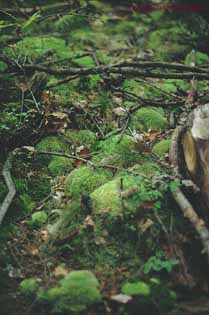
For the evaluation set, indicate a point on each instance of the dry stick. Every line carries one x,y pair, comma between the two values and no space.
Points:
157,64
127,70
75,157
11,187
186,207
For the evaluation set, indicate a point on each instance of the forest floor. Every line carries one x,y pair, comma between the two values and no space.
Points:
91,93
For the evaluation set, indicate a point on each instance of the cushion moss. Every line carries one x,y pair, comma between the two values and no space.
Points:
81,137
85,179
60,165
136,288
162,147
148,118
78,290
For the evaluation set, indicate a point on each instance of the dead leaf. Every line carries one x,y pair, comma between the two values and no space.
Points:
152,135
88,221
100,241
121,298
144,225
33,250
119,111
44,235
60,271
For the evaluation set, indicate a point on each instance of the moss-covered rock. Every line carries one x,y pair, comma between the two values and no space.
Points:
86,138
85,179
148,118
162,147
75,293
120,196
60,165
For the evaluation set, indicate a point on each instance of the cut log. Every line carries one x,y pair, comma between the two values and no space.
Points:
196,152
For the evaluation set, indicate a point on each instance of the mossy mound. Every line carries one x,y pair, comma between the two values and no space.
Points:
84,180
86,138
38,219
173,39
120,196
119,151
60,165
148,118
75,293
147,168
50,144
53,144
136,288
162,147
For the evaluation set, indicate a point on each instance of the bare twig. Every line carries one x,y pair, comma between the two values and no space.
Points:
11,187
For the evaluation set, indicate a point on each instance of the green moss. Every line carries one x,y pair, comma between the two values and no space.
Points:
148,118
168,43
60,165
26,203
37,46
52,143
86,138
85,179
38,219
75,293
29,286
162,147
117,150
147,168
109,196
199,58
137,288
8,122
68,23
3,66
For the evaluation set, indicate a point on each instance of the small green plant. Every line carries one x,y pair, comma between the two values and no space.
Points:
153,293
158,263
29,287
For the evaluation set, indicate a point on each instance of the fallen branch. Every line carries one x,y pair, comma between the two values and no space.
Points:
127,70
189,213
11,187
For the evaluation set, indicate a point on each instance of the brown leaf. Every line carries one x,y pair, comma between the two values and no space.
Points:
33,250
144,225
60,271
